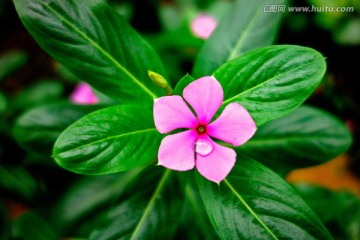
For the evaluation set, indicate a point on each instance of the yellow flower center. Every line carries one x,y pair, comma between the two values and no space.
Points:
201,129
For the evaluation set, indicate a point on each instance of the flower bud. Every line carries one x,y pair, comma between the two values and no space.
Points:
158,79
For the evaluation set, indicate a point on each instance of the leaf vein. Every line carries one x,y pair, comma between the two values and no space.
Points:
250,209
115,136
103,51
238,45
261,84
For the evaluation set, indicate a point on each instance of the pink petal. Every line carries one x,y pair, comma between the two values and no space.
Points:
177,151
171,112
83,94
204,145
203,26
234,125
217,165
205,96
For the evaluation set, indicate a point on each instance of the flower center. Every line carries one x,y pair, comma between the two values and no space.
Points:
201,129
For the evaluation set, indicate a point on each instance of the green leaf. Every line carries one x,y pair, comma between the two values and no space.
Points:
321,201
246,26
186,80
17,180
149,210
109,140
3,103
349,219
42,92
255,203
201,4
10,63
194,223
80,203
344,219
96,44
38,128
66,74
271,82
30,226
306,137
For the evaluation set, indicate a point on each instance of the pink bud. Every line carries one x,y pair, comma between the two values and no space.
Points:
203,25
83,94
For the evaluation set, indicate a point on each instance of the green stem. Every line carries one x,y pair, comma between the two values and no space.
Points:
151,204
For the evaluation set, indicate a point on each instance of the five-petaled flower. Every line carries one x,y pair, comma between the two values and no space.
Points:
195,147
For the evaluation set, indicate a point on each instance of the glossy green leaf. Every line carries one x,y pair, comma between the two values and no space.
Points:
109,140
11,62
96,44
186,80
148,210
46,91
66,74
255,203
31,226
246,26
271,82
80,203
306,137
39,127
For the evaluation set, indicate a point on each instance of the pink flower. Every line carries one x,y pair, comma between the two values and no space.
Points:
195,147
203,26
83,94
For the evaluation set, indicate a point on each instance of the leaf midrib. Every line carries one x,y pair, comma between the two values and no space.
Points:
151,203
251,211
103,51
262,83
239,43
111,137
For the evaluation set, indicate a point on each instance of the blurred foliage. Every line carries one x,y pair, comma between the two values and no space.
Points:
341,18
11,62
179,52
31,226
340,211
44,91
4,222
38,128
18,181
64,204
3,103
